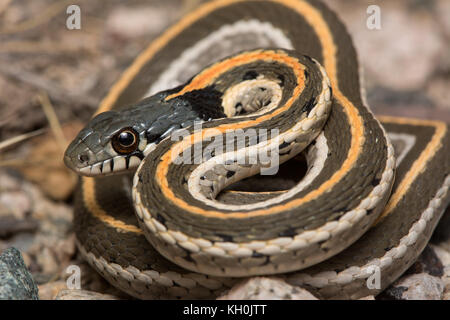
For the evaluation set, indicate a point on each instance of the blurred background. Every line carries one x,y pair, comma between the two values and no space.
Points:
52,79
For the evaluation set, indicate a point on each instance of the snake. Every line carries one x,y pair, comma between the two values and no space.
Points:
240,143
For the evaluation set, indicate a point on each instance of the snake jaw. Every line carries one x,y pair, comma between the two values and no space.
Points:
106,161
93,152
116,165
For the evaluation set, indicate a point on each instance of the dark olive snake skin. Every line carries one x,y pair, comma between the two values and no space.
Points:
177,230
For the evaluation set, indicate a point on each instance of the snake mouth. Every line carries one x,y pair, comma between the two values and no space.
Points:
95,169
116,165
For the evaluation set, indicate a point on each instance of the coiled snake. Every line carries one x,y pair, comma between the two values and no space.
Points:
178,234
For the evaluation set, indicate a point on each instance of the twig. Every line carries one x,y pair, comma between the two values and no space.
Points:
21,163
38,47
52,119
20,138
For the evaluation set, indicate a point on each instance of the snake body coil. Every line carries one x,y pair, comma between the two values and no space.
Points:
273,103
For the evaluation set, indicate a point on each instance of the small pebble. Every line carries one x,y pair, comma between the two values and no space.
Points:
266,289
420,286
83,295
50,290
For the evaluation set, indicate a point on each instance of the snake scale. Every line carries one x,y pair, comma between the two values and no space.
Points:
174,225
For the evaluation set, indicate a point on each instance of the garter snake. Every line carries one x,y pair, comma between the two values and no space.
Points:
189,239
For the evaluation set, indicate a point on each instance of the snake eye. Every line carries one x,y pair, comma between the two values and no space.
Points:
125,141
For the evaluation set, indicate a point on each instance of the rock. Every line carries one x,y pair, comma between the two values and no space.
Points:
266,289
428,262
444,256
47,261
425,279
52,256
16,282
14,203
83,295
10,225
420,286
9,183
21,241
367,298
65,250
50,290
41,230
132,22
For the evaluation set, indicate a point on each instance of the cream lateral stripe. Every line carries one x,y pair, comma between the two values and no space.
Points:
326,278
92,206
320,110
280,244
409,141
168,78
418,165
317,23
317,166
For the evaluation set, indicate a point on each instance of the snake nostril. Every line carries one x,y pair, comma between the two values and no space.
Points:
83,158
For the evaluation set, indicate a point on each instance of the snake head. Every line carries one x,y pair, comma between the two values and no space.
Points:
117,141
109,143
